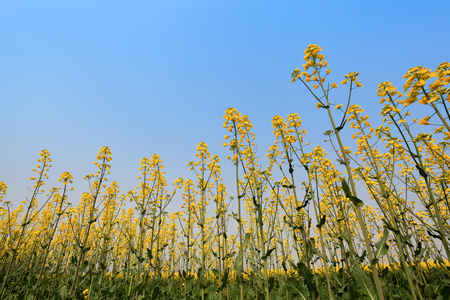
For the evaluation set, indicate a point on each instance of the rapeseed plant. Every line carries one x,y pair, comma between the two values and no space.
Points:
300,234
315,63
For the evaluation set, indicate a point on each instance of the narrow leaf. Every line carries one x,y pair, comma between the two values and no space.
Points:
382,247
267,254
246,240
355,200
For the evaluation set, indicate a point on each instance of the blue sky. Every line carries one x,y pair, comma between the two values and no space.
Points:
147,77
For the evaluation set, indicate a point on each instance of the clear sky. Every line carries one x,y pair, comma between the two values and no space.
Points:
145,77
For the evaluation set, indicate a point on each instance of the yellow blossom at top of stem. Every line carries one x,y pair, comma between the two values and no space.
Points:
202,151
42,168
273,152
354,108
315,60
416,79
155,160
65,178
104,153
145,162
3,188
352,77
277,121
45,156
281,130
294,120
231,116
311,54
239,125
443,72
389,90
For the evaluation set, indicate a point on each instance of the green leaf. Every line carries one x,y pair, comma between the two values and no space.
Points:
246,240
430,291
297,289
422,172
304,204
408,237
63,292
382,246
257,276
436,236
281,291
214,253
224,280
343,290
197,259
238,264
292,225
84,266
304,271
390,227
210,291
254,202
345,188
155,293
418,253
322,221
231,254
355,200
267,254
200,273
312,249
364,283
363,255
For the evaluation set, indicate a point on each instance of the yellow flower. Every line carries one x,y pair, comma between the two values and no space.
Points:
3,188
424,100
65,178
338,106
436,84
352,77
424,121
447,136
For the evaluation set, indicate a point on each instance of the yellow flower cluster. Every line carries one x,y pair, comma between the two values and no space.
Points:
3,188
416,78
66,178
320,219
316,61
353,78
